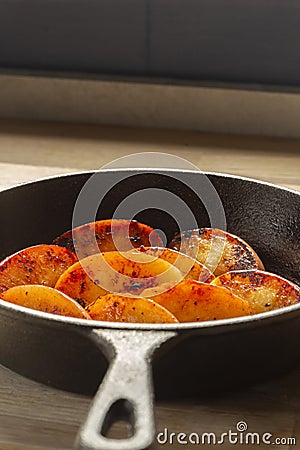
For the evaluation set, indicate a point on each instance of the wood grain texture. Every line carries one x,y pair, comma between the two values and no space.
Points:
36,417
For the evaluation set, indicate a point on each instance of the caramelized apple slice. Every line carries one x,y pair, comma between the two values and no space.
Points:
108,235
44,298
118,308
114,272
218,250
190,268
41,264
192,301
264,291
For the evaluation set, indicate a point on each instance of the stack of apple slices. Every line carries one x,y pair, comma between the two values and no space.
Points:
118,270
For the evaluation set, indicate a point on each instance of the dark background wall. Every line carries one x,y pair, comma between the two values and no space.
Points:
256,41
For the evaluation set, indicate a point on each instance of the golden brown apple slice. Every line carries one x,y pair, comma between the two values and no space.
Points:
40,264
114,272
108,235
264,291
190,268
218,250
44,298
118,308
192,301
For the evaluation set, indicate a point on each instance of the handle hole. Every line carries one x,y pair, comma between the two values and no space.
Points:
119,420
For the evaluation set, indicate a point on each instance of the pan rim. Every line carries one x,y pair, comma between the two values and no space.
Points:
28,314
95,324
150,170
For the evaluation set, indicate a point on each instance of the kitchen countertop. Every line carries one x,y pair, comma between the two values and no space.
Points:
34,416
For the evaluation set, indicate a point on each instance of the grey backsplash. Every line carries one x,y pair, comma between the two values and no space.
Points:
242,41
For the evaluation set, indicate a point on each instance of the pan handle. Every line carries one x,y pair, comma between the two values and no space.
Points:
127,390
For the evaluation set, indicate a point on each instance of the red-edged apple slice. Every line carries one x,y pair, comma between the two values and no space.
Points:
218,250
264,291
108,235
41,264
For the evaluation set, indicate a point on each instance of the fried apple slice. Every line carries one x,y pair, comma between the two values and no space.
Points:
114,272
218,250
118,308
108,235
44,298
40,264
192,301
189,267
264,291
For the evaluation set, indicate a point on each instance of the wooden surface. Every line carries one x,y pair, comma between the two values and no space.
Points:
33,416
